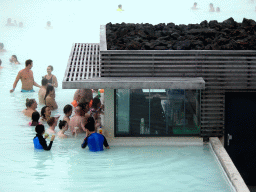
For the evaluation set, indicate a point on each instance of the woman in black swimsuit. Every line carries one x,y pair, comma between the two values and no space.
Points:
52,80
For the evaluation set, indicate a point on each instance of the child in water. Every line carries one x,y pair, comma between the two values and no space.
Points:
95,141
39,141
35,118
63,125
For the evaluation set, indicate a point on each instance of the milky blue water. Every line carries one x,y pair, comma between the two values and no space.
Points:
68,167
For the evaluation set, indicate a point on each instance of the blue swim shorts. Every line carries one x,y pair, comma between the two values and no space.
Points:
27,91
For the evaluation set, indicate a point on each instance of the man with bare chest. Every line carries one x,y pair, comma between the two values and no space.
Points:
26,77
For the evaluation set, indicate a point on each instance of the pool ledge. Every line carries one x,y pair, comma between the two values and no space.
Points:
154,141
228,165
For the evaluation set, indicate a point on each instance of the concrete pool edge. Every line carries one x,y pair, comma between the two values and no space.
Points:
154,141
229,167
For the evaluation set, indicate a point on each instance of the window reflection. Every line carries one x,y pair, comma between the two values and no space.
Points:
159,112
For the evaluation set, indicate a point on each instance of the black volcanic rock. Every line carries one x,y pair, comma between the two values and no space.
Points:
228,35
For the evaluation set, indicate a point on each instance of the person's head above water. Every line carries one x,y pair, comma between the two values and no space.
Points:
1,45
67,109
49,69
31,103
35,116
96,103
14,58
62,124
52,121
90,124
39,129
46,111
84,108
44,81
9,20
217,9
29,63
49,90
49,23
195,4
120,6
211,5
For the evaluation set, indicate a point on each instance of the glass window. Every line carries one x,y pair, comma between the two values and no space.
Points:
157,112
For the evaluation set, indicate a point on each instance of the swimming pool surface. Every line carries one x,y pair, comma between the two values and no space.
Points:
68,167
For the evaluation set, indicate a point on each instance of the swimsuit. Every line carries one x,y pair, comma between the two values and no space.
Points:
40,143
95,142
26,91
49,80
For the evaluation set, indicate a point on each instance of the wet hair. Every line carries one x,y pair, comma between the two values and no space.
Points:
95,102
62,124
51,67
15,57
83,105
44,81
28,62
119,6
195,3
29,102
67,108
1,45
35,116
51,121
39,129
48,90
43,111
90,124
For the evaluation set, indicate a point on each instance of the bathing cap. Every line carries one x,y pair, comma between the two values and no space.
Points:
74,103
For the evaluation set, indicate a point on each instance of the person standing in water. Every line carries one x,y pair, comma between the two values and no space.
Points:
194,7
211,8
26,77
42,91
1,64
52,80
39,141
120,8
9,22
50,98
14,59
2,47
31,105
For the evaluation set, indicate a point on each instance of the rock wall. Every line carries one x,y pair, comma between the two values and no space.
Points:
228,35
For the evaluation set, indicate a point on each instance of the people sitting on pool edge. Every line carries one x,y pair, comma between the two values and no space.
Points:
2,47
27,78
50,98
194,7
14,59
120,8
31,105
211,8
78,121
48,25
68,112
39,141
35,118
52,80
42,91
63,125
52,122
95,141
